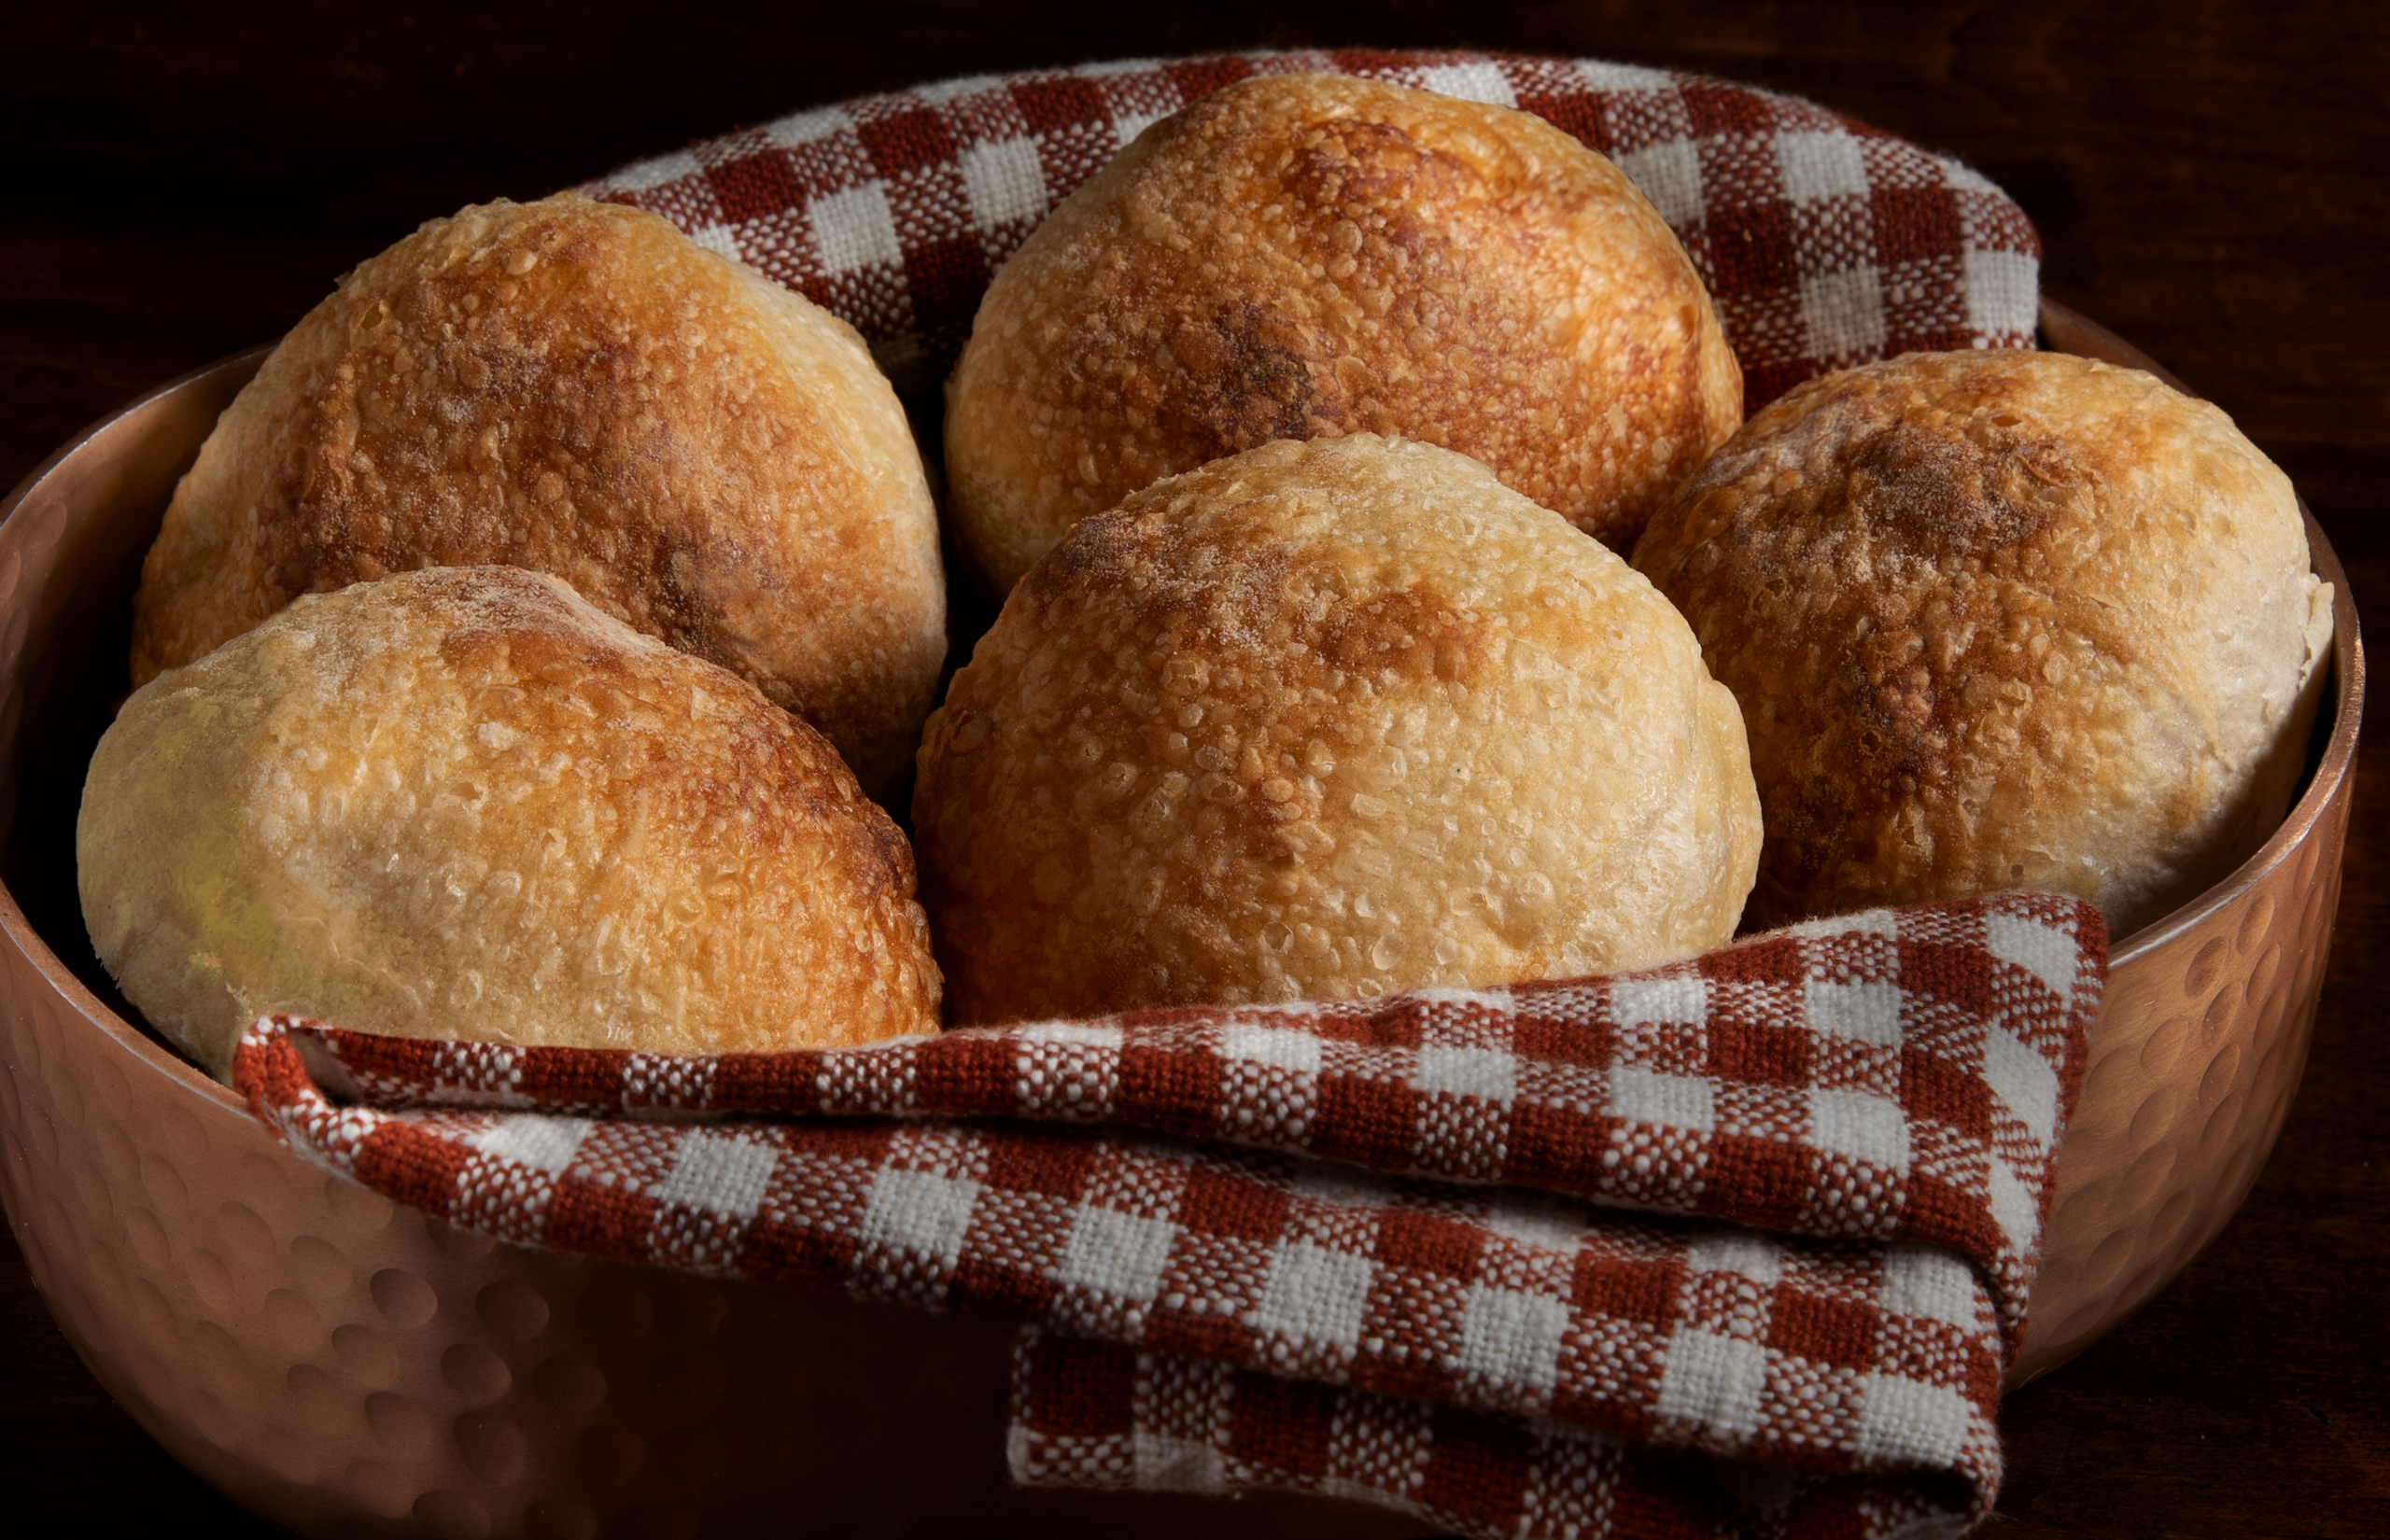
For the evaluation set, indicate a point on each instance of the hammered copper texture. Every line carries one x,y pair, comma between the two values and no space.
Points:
344,1366
2201,1044
2205,1031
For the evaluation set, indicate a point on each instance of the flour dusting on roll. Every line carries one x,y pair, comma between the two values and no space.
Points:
578,388
1326,721
2003,620
1300,256
462,802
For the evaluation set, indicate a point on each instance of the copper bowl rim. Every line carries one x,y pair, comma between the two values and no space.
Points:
148,1051
2338,758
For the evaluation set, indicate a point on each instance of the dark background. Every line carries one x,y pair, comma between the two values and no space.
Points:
2210,180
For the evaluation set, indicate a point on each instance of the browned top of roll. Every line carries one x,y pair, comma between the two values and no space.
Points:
463,803
578,388
1322,721
2002,619
1300,256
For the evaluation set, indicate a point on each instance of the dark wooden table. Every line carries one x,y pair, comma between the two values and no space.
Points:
177,182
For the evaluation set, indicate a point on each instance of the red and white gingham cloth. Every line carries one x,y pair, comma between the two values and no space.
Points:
1824,242
1459,1252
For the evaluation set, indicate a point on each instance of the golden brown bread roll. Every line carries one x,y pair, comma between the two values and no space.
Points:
2002,619
578,388
1326,721
463,803
1300,256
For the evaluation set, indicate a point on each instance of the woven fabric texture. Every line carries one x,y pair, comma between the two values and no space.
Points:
1542,1260
1823,242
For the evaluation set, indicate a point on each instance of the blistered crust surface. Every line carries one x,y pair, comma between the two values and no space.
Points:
463,803
577,389
2002,619
1326,721
1303,256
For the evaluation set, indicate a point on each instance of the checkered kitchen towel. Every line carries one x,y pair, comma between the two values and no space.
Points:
1732,1247
1824,242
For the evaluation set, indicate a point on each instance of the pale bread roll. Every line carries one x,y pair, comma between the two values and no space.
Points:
578,388
1300,257
1326,721
2003,620
462,802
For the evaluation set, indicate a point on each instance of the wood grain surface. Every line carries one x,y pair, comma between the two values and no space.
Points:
177,182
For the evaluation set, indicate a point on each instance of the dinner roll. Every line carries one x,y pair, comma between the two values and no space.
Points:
1300,257
1326,721
462,802
2002,619
578,388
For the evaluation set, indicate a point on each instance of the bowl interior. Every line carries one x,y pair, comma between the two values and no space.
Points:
68,620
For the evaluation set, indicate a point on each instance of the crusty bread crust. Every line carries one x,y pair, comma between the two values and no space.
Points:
2002,619
1300,256
463,803
1326,721
577,389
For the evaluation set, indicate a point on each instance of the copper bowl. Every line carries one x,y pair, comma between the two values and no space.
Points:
341,1365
